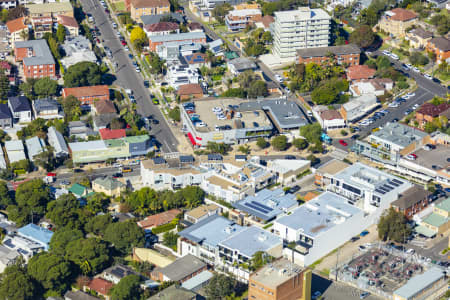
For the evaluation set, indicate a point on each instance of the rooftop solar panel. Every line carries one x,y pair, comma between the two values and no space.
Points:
186,158
214,157
387,187
397,181
380,191
262,206
393,183
257,208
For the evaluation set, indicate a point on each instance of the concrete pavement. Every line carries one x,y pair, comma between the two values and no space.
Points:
127,78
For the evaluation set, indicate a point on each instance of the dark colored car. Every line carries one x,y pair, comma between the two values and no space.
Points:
294,189
289,157
355,137
117,175
154,121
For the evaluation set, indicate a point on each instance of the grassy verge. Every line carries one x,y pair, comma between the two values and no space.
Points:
268,226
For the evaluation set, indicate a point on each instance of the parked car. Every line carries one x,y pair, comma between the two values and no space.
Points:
364,233
364,295
343,143
289,157
428,76
316,295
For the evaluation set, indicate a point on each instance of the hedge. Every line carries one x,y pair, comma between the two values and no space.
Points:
165,227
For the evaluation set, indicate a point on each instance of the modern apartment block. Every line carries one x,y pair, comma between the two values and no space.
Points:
299,29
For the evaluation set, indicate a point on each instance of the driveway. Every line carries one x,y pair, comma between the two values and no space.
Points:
127,78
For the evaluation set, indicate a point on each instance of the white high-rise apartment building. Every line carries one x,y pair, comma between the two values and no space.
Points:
298,29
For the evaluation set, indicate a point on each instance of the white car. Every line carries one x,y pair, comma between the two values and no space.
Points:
409,66
126,48
385,52
428,77
279,78
410,157
216,109
410,95
394,56
415,69
200,124
410,251
117,165
221,117
416,106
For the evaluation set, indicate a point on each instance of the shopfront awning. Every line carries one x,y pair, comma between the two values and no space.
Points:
424,231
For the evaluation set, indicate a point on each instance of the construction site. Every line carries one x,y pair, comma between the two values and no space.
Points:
379,270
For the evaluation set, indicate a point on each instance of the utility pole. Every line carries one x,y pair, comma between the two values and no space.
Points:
336,267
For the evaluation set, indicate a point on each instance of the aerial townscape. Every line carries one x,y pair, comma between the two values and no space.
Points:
224,149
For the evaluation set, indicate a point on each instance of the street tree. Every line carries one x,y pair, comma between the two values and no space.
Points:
300,144
393,226
137,34
174,114
4,87
279,142
262,143
311,132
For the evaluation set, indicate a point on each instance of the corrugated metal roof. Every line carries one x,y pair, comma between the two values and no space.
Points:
420,282
197,280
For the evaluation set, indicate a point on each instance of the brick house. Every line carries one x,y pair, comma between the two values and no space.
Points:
190,91
193,37
428,111
140,8
161,28
412,201
345,54
87,94
441,47
38,61
395,22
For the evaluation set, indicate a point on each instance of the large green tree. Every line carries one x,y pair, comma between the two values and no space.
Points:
311,132
125,235
83,74
127,289
72,109
61,33
91,255
220,286
363,36
193,196
4,87
62,237
66,211
393,226
52,271
16,284
279,142
31,198
98,224
257,88
5,197
45,87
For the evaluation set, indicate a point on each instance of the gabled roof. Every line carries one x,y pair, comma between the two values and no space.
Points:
45,104
78,189
330,115
78,295
422,33
109,183
189,89
5,113
159,219
104,107
360,72
161,26
418,283
410,197
182,268
19,103
67,21
441,43
109,134
16,25
194,26
432,110
87,91
100,285
36,233
149,3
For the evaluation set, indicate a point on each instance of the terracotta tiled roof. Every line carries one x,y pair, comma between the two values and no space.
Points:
161,26
159,219
189,89
433,110
67,21
267,20
330,115
100,285
194,26
104,107
110,134
149,3
16,25
85,91
360,72
401,14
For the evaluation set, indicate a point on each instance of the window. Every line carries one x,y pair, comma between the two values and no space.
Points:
351,189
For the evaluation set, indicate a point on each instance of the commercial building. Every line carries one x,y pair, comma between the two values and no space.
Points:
139,8
47,108
429,285
109,186
358,107
15,151
441,47
50,9
56,140
35,146
329,119
437,222
266,205
239,19
280,280
412,201
344,55
192,37
395,22
391,142
299,29
96,151
38,61
287,170
242,120
368,188
87,94
161,174
181,270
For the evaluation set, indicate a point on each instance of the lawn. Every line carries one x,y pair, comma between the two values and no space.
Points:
118,6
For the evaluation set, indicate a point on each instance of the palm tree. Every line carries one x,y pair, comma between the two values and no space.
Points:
24,35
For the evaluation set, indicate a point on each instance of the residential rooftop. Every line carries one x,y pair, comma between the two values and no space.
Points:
177,37
41,52
332,167
51,7
323,51
276,273
251,240
320,214
410,197
182,267
211,231
267,204
301,14
399,134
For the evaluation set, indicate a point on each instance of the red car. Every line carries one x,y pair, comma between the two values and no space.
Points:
124,43
413,155
343,143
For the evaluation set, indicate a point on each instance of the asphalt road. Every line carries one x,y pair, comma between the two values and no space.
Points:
426,90
128,78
